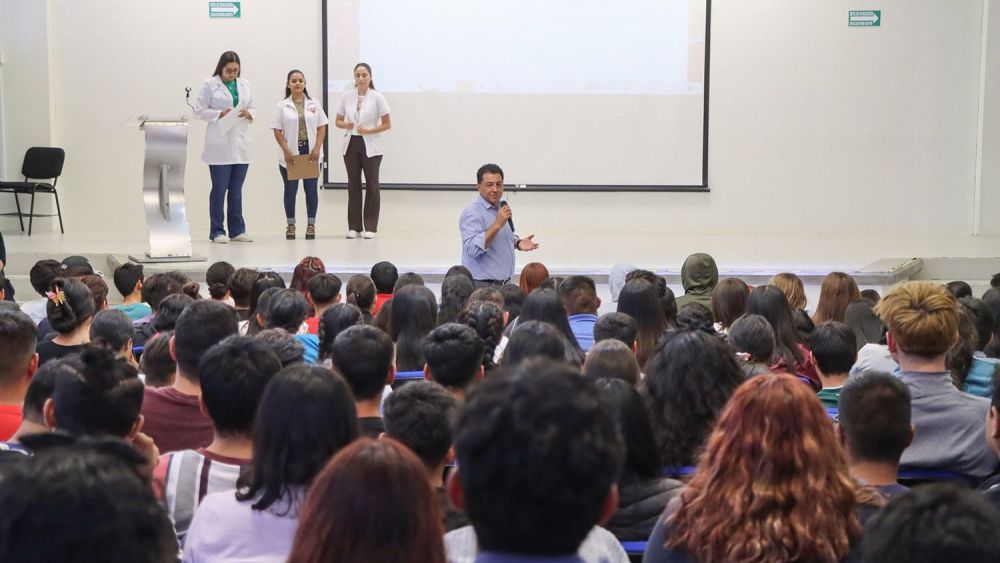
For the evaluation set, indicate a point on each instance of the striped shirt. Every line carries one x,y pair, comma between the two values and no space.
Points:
182,479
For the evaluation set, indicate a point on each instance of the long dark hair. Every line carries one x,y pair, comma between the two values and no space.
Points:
486,318
640,300
332,322
306,415
371,83
264,281
70,304
288,91
544,305
414,314
455,292
771,303
642,453
226,58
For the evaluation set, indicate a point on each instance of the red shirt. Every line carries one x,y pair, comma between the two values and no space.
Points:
380,298
174,420
313,324
10,421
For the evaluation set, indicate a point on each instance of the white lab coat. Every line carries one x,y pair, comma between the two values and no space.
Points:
373,107
213,97
286,120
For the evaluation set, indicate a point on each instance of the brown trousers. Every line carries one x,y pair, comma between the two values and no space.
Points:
357,161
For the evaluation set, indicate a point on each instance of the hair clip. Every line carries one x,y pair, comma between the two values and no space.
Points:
58,296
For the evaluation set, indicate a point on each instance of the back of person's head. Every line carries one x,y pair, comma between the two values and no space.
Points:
383,319
360,291
617,326
305,270
202,325
127,277
933,523
696,316
772,448
551,283
258,316
156,364
454,355
332,322
264,281
642,453
513,300
532,276
409,278
233,375
534,339
491,294
372,502
240,285
874,417
753,335
729,301
832,344
161,284
42,274
458,269
70,305
18,338
102,396
922,318
43,383
540,451
579,295
837,291
363,354
98,289
667,299
486,318
324,289
770,303
983,317
612,359
384,274
414,314
283,344
455,292
544,305
75,267
217,279
305,416
170,310
112,328
639,299
49,505
959,289
420,415
871,295
699,273
688,381
867,327
960,356
791,285
287,310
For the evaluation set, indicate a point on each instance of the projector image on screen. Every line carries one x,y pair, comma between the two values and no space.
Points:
566,93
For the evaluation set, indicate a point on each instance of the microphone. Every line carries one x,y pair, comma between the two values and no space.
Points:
187,96
510,220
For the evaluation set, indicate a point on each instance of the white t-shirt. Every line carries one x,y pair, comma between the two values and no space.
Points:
373,108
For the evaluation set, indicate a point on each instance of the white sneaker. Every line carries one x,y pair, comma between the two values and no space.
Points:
352,234
242,238
368,234
221,239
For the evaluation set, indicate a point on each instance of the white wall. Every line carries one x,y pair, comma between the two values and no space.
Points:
815,127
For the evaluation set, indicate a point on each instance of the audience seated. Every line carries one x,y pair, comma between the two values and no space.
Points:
43,383
771,485
169,311
790,352
695,316
305,416
454,355
544,305
832,349
791,285
157,367
867,327
532,276
487,319
364,356
322,292
667,300
455,292
332,322
699,275
233,375
284,345
753,340
360,291
18,364
803,324
217,279
414,314
287,310
837,291
409,278
265,282
513,301
934,523
372,502
978,377
539,452
959,289
128,279
112,328
239,285
639,300
70,310
728,303
535,339
992,435
874,428
579,297
419,416
40,276
304,271
384,275
642,491
174,418
613,360
617,326
155,289
687,383
922,318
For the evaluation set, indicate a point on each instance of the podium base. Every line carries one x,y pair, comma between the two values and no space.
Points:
147,259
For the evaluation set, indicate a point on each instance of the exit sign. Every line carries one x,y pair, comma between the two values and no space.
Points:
864,18
223,9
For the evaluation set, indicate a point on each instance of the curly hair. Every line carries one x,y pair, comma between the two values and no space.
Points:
769,488
486,318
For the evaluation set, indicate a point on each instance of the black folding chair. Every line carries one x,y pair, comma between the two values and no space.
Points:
40,164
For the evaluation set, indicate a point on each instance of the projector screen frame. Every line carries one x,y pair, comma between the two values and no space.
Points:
703,187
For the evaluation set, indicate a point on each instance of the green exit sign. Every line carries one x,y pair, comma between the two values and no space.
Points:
223,9
864,18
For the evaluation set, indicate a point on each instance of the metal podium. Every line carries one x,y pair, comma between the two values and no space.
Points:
163,190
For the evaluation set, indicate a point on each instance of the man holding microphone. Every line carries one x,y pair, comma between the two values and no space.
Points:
488,238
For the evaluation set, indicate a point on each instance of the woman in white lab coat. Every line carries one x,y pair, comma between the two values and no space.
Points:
364,114
299,125
227,145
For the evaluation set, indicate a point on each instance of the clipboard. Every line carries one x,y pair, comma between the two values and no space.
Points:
228,121
302,169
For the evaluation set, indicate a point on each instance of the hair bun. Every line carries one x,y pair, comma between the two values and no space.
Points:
99,365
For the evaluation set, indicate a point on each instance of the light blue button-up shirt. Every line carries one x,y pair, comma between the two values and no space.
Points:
495,262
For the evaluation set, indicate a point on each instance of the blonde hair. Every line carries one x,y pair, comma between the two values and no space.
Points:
791,286
921,316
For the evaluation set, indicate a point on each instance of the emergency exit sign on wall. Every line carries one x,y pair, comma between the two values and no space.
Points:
864,18
223,9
